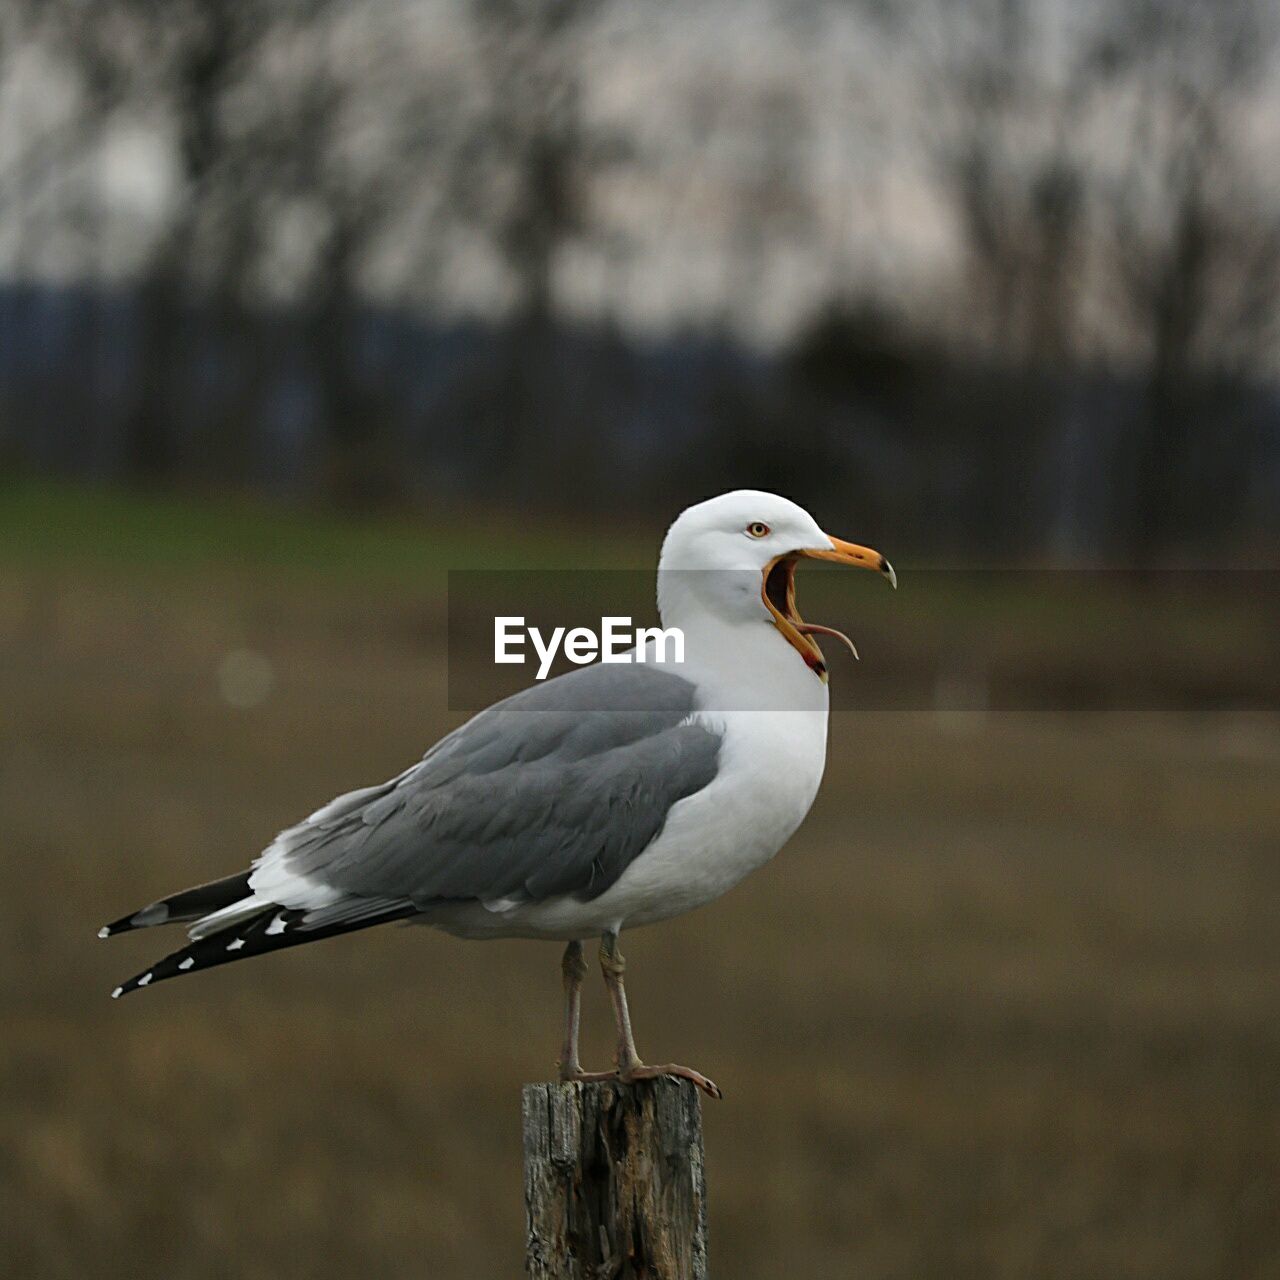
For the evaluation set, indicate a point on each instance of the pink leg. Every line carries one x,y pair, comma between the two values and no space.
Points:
630,1067
574,969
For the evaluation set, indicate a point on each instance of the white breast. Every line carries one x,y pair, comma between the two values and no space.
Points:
771,763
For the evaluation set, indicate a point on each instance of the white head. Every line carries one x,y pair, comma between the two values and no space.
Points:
733,558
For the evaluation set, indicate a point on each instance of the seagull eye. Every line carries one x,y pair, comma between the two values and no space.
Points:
758,529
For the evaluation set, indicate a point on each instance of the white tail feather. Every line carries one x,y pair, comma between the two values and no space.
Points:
237,911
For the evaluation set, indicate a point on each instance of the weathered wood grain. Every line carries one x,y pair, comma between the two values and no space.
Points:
614,1183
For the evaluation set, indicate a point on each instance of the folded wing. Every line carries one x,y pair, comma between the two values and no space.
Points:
553,792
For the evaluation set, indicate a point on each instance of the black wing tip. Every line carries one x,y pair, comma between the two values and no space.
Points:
267,931
273,928
172,966
144,918
190,904
186,960
117,927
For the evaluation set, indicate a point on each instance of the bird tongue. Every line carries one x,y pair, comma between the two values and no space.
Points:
815,629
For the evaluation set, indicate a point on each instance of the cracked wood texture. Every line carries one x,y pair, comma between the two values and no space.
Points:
614,1185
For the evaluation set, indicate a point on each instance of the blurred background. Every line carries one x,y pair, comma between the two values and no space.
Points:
305,304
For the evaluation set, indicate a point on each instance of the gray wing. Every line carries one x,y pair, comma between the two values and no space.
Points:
553,791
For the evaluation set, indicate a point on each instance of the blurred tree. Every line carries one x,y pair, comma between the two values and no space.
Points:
348,198
525,182
179,66
203,50
1194,241
1103,184
259,103
287,206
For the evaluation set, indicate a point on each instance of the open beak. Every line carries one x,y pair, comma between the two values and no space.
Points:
778,591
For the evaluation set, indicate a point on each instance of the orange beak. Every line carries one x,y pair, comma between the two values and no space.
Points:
778,591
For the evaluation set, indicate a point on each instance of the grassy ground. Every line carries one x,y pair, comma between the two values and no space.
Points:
1008,1005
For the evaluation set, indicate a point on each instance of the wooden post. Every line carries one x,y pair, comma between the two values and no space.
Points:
614,1187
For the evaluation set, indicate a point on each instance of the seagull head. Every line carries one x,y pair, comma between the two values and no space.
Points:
736,556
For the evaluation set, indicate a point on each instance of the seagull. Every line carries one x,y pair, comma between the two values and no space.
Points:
615,795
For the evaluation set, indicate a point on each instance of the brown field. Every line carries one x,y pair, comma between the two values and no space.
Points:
1008,1005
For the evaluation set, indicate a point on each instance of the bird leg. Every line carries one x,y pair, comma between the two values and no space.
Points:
630,1067
574,969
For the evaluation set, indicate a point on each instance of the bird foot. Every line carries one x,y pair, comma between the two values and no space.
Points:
575,1075
641,1072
